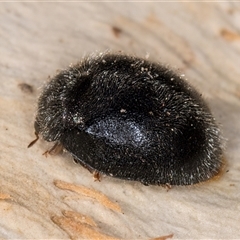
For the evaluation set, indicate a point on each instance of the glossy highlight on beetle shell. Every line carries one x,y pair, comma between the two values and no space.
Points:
133,119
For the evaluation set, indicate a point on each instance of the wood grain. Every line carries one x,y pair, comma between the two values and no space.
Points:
200,40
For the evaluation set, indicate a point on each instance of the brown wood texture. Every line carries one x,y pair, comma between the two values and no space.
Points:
200,40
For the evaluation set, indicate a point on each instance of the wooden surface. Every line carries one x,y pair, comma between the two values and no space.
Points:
201,40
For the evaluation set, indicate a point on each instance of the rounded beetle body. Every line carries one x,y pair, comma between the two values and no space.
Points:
132,119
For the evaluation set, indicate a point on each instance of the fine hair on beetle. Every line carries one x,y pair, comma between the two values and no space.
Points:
131,118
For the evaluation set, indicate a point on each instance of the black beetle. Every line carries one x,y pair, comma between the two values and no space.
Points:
133,119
